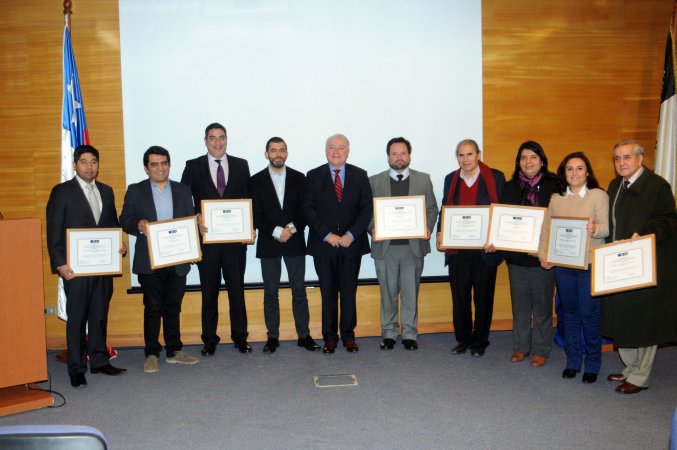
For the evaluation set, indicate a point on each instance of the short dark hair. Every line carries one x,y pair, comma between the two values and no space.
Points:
215,125
398,140
275,139
591,183
534,147
156,150
84,148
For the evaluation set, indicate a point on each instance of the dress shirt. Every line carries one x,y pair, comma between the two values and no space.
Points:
85,187
470,181
279,183
214,166
581,193
164,206
394,173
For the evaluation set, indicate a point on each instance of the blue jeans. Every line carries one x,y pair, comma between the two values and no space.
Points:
579,309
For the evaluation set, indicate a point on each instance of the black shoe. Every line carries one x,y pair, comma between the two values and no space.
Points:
271,345
570,373
78,380
243,347
108,370
387,344
410,344
208,350
476,350
460,348
308,343
589,377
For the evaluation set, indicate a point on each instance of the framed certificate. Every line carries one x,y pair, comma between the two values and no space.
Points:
464,226
516,228
173,242
400,218
624,265
228,221
569,242
94,251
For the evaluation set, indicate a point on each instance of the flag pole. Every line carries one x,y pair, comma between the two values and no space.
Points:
68,11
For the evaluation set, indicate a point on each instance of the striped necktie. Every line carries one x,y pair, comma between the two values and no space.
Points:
338,186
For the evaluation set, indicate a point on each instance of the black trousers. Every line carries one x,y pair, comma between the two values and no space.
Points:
162,295
231,265
472,281
271,268
338,275
86,329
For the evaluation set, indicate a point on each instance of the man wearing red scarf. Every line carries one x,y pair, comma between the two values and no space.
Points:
472,273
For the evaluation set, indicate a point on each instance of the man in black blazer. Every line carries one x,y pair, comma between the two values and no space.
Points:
158,198
217,176
277,196
338,208
83,202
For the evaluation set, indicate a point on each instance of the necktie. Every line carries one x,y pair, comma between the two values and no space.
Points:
338,186
93,203
399,177
220,179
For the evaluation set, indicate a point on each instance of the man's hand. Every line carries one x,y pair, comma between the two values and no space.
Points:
333,239
65,272
428,235
634,236
286,234
142,226
123,249
439,242
345,241
490,248
201,225
545,264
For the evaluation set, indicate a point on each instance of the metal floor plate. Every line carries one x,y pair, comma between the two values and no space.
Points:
344,379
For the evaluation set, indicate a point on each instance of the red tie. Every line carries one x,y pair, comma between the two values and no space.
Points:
338,186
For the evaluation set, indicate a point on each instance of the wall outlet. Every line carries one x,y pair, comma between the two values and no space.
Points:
50,311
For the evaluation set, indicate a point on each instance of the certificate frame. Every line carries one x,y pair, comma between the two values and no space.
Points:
605,257
243,233
455,217
188,249
515,228
385,207
569,254
109,261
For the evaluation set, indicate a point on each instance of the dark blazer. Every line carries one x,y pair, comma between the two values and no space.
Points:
268,213
197,176
644,317
324,214
513,194
139,205
68,208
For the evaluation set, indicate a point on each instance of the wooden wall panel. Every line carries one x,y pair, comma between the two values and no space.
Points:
573,75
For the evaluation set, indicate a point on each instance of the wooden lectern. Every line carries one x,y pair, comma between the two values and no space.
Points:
23,349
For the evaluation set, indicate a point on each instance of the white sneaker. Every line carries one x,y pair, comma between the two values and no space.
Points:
151,364
182,358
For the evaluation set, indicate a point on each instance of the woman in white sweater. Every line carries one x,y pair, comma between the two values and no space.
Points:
578,195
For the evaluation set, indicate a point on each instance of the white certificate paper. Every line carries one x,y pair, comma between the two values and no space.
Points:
567,242
173,242
624,265
400,217
516,228
94,251
228,221
464,227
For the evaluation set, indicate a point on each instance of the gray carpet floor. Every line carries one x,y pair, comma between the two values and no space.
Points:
405,399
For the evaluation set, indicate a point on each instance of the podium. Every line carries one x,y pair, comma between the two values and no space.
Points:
23,348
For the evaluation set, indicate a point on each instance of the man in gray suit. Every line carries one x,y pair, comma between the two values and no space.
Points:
399,262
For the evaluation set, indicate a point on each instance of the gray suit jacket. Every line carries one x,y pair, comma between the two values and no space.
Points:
419,184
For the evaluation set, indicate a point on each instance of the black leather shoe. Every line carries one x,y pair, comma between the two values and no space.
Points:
387,344
108,370
460,348
476,350
78,380
208,350
271,345
308,343
589,377
410,344
243,347
569,373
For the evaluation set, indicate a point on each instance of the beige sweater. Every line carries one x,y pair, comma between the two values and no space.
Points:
595,205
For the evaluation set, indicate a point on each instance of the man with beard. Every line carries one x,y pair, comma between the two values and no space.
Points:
399,262
277,197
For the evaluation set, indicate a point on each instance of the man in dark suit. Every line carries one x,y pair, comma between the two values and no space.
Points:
472,273
158,198
277,196
83,202
217,176
338,208
641,203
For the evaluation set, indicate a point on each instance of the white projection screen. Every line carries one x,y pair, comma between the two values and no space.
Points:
302,70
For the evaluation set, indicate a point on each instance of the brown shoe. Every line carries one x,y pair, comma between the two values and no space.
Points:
617,377
537,361
518,357
629,388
